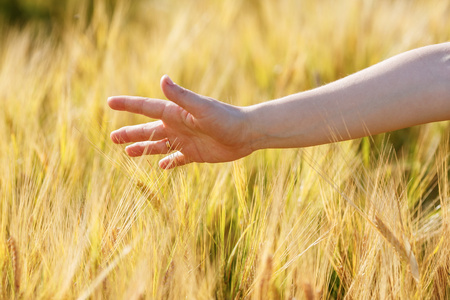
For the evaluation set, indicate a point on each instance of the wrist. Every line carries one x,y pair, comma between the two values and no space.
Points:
289,122
257,124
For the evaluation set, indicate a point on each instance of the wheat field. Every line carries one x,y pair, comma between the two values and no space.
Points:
363,219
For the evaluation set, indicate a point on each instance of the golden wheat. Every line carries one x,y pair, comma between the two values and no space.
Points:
362,219
15,264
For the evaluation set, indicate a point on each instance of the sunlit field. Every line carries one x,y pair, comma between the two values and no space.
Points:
364,219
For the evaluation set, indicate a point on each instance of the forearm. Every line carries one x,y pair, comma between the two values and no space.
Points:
409,89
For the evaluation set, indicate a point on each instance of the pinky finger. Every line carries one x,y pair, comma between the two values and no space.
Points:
174,160
147,148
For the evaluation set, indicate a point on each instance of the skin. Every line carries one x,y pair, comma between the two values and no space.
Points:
409,89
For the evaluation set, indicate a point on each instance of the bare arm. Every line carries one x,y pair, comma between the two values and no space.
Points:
409,89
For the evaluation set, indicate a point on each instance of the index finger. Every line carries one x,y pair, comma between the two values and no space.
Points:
152,108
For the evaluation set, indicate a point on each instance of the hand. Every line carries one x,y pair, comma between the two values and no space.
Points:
198,128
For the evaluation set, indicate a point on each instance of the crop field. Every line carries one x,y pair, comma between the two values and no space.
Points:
79,219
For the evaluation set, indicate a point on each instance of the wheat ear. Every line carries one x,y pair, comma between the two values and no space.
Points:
13,251
403,249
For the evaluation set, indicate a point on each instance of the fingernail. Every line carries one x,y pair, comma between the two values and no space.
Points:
169,81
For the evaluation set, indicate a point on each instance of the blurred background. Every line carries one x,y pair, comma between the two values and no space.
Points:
78,219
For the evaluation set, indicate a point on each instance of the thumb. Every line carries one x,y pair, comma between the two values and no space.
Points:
185,98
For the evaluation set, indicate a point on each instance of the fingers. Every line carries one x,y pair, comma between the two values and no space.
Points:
185,98
144,132
159,147
151,138
174,160
147,148
152,108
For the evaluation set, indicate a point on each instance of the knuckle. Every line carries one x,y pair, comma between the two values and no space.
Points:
125,132
143,132
183,91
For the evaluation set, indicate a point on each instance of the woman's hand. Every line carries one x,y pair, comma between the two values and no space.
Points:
197,128
406,90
